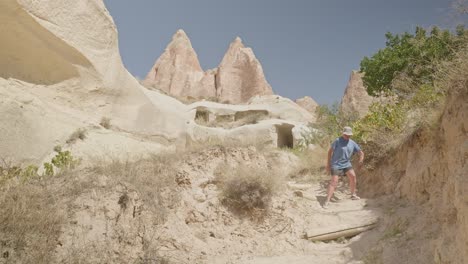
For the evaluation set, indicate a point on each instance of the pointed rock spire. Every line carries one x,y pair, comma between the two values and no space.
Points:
177,70
355,98
238,78
240,75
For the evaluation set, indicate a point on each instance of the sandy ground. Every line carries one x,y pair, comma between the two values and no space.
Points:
343,213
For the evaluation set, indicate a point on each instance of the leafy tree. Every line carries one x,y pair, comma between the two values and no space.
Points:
414,56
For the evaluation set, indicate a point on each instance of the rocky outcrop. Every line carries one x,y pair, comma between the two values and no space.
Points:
356,99
308,104
178,73
60,70
240,75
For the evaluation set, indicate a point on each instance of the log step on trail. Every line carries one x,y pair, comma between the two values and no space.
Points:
348,232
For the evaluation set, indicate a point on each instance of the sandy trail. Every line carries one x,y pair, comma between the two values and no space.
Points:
343,213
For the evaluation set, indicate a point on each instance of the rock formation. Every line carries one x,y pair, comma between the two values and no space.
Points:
68,76
308,103
178,71
238,78
60,70
356,99
240,75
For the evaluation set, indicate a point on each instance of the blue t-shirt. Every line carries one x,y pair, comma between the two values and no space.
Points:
342,151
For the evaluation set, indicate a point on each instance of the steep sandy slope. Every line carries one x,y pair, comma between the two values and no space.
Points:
429,171
170,210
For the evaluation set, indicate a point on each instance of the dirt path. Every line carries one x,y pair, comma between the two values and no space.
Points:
343,213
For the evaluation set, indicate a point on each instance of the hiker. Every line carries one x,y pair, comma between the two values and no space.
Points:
339,163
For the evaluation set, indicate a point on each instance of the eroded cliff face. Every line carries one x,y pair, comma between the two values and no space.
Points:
429,171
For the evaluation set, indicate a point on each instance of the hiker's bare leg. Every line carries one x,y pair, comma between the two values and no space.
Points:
352,181
331,187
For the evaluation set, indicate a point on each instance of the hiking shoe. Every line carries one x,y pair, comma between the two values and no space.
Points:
326,205
355,197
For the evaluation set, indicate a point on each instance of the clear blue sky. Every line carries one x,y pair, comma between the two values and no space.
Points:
306,47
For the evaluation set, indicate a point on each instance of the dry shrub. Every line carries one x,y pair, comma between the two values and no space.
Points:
80,133
153,178
32,213
247,190
30,222
452,75
105,122
8,171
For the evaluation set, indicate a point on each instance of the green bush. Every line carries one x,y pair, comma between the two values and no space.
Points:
48,169
414,57
64,160
426,95
330,123
382,119
29,172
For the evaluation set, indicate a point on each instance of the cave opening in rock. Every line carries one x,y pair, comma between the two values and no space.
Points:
285,136
251,114
202,116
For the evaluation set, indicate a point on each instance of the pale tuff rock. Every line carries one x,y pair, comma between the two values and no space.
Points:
178,71
269,120
356,99
206,87
68,74
240,75
308,104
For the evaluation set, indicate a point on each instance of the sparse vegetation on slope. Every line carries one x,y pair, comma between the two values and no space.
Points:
247,190
80,133
30,222
154,178
423,165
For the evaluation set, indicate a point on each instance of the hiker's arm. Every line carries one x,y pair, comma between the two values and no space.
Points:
330,153
361,156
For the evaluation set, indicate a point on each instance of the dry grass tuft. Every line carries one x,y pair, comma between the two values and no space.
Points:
247,190
373,256
105,122
33,212
80,133
153,178
397,228
30,222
